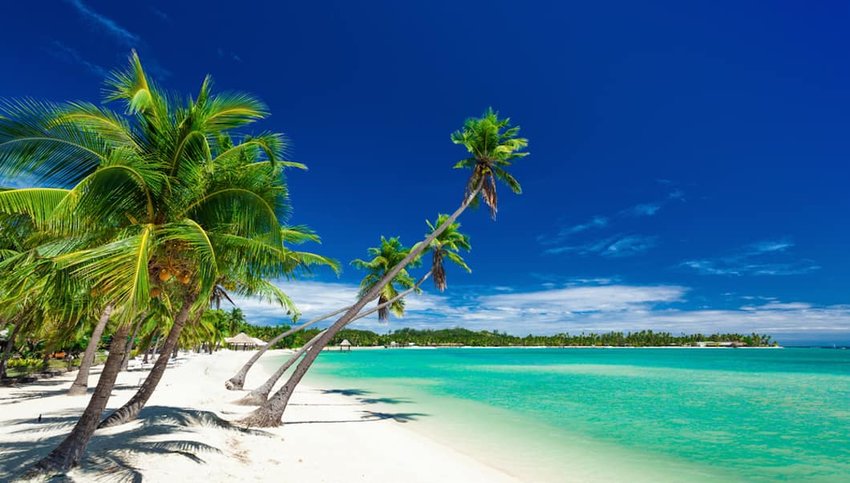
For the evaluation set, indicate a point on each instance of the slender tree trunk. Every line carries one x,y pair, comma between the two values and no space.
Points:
149,349
261,394
69,452
130,342
81,383
270,413
237,382
48,350
131,409
7,350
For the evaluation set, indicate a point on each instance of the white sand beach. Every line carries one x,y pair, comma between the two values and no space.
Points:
183,434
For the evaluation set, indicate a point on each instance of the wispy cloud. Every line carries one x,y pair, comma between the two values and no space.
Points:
105,24
159,13
617,246
767,257
643,209
584,238
581,308
67,54
226,54
651,209
567,232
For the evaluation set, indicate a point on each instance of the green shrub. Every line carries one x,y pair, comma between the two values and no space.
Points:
24,362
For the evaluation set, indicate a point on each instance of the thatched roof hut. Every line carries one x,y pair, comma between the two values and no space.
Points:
244,341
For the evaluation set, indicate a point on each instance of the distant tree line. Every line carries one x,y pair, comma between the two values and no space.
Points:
485,338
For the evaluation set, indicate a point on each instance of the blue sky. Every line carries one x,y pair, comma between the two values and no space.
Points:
689,159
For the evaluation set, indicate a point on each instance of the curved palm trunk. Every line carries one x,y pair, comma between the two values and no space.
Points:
261,394
131,409
81,382
69,452
7,350
237,382
270,413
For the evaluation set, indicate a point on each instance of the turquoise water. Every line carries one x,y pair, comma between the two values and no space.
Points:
619,414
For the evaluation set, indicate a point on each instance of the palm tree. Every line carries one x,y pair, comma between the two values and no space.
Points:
446,245
235,320
493,145
384,257
159,203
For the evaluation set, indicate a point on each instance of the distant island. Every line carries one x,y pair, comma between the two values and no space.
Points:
458,337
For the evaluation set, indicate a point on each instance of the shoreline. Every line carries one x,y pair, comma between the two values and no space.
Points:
417,347
185,432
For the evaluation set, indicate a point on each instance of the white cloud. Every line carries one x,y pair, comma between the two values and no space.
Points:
573,309
67,54
760,258
643,209
610,245
568,231
107,24
617,246
602,298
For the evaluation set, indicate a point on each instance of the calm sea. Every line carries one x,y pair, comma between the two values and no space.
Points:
618,414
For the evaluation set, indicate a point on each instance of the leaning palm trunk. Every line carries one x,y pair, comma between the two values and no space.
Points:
7,350
270,414
69,452
237,382
261,394
81,382
131,409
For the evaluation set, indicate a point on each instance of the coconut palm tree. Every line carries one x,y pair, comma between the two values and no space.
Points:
494,146
155,204
384,257
448,244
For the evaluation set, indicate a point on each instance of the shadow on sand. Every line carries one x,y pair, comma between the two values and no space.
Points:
109,456
367,417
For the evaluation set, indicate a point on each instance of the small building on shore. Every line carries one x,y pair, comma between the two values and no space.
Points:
243,341
344,345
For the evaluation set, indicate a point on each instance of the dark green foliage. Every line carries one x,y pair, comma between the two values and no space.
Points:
465,337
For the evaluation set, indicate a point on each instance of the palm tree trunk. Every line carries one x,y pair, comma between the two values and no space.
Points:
261,394
81,382
126,361
237,382
131,409
149,348
270,414
7,350
69,452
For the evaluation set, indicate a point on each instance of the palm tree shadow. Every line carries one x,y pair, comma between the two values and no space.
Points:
109,456
347,392
385,400
367,417
397,417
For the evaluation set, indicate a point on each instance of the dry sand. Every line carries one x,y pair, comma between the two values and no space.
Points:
183,434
